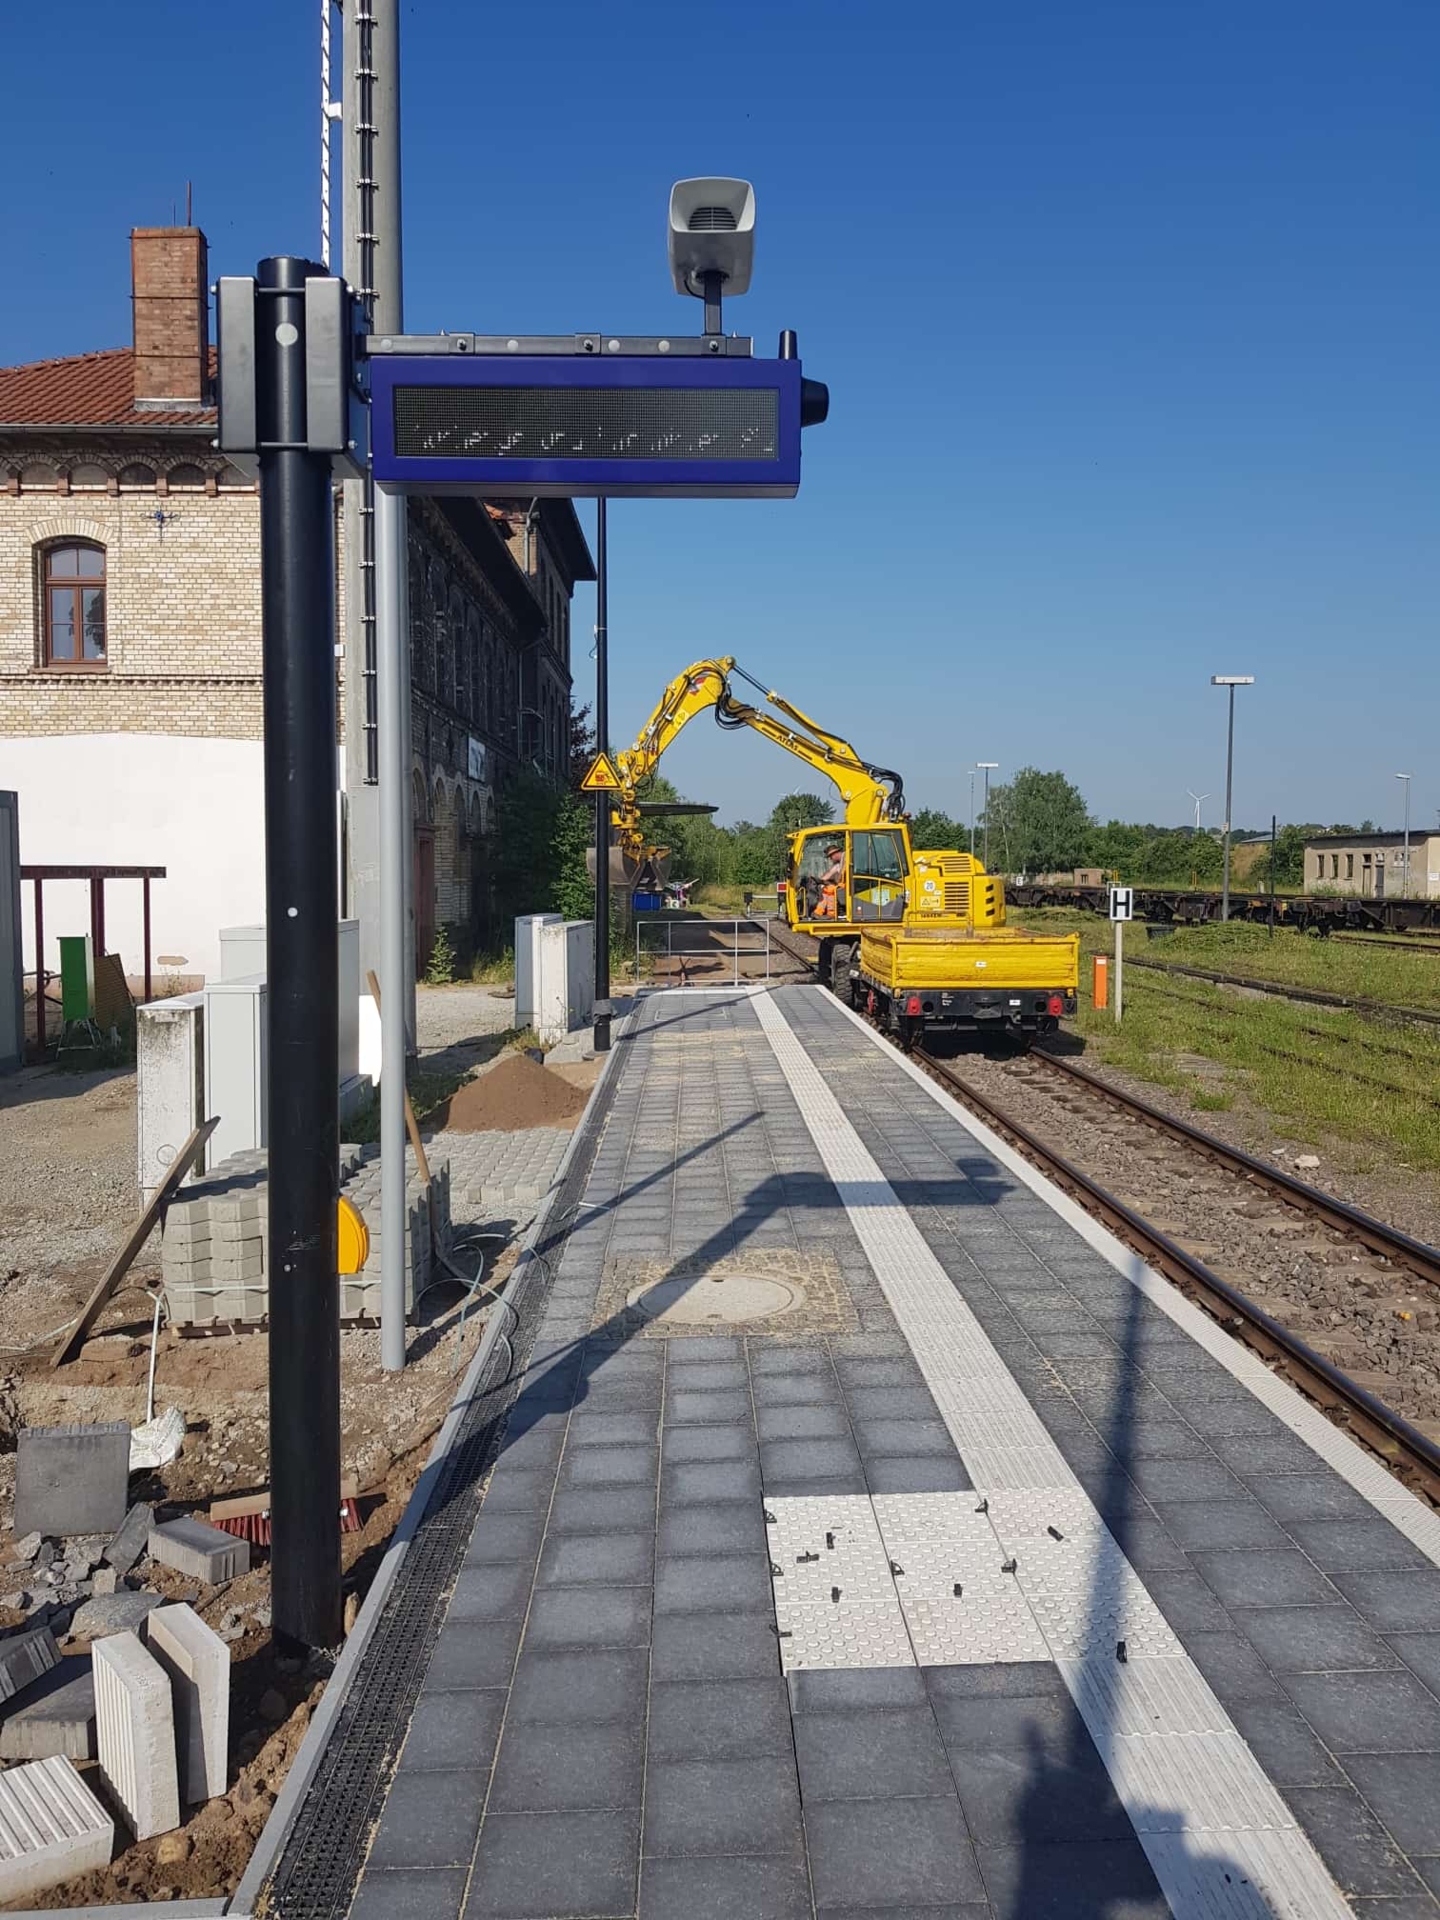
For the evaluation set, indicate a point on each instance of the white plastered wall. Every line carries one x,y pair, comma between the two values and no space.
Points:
194,806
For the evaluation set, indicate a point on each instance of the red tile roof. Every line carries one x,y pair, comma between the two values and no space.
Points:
86,390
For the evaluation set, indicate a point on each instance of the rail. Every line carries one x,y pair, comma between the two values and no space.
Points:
1283,990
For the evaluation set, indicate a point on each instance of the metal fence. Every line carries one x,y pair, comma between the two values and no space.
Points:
675,952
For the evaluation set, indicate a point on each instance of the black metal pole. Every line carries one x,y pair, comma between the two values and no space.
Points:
1272,875
602,800
302,969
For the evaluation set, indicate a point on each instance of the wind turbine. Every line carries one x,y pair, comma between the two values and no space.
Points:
1197,798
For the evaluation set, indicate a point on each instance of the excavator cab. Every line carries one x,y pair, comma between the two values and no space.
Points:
843,876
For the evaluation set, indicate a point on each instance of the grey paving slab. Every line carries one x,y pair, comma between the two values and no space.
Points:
749,1806
729,1888
706,1584
454,1731
431,1893
430,1819
1363,1858
869,1756
1368,1712
873,1854
534,1864
580,1687
1109,1878
1313,1639
548,1768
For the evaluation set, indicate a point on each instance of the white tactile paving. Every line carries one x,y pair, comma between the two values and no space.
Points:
865,1626
1221,1841
937,1542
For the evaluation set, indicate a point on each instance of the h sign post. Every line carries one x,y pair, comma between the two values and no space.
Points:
1121,907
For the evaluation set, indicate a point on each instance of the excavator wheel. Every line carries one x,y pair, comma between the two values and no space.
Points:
842,952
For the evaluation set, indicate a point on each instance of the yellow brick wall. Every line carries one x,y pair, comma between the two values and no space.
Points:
182,615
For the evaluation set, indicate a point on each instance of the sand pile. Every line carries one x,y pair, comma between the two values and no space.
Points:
516,1093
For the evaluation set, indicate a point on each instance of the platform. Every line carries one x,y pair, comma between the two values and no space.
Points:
973,1573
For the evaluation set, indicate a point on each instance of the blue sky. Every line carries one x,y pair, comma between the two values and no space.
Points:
1128,313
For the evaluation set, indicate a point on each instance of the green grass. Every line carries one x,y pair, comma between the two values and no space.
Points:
1317,1074
1350,967
495,969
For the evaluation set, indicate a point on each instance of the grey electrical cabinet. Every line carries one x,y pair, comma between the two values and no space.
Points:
236,1071
170,1084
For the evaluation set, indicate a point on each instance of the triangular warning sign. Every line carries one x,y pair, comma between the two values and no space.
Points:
601,777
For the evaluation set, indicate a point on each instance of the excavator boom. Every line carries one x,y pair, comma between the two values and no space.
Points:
870,794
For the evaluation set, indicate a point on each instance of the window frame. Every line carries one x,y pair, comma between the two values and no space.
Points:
78,586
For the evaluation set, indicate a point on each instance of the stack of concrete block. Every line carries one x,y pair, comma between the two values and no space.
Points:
24,1657
51,1828
212,1256
360,1293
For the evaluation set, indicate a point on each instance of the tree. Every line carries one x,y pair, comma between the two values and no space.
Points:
1039,823
790,813
933,830
752,856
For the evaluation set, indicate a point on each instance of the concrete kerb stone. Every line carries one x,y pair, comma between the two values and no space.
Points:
530,1271
51,1827
197,1662
135,1734
203,1552
55,1717
24,1658
180,1909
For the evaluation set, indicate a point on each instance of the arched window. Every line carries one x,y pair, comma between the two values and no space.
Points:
88,479
39,479
136,479
73,605
186,480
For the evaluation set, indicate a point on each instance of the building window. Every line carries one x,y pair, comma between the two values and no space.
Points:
1334,866
1349,866
137,479
74,606
88,479
186,480
1319,866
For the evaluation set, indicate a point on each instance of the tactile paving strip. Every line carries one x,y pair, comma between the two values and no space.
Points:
820,1546
1179,1788
960,1607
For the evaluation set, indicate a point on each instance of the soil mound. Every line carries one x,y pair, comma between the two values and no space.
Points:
515,1094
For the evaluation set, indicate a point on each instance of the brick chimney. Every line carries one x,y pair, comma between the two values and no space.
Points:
172,316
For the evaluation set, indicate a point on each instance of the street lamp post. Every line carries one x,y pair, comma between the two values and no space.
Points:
1230,680
987,767
1404,778
972,813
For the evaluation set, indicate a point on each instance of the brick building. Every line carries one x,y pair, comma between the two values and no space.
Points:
130,654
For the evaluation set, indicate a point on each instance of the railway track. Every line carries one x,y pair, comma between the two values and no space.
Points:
1410,1453
1283,990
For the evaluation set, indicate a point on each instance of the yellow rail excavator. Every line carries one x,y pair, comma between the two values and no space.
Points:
917,936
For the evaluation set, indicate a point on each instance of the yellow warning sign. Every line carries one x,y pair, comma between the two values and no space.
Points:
601,777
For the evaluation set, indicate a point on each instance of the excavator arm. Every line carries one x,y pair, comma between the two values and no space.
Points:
869,793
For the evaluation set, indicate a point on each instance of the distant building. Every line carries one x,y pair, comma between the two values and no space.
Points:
1373,865
130,646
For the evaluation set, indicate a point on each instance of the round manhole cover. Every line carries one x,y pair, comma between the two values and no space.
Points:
702,1299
